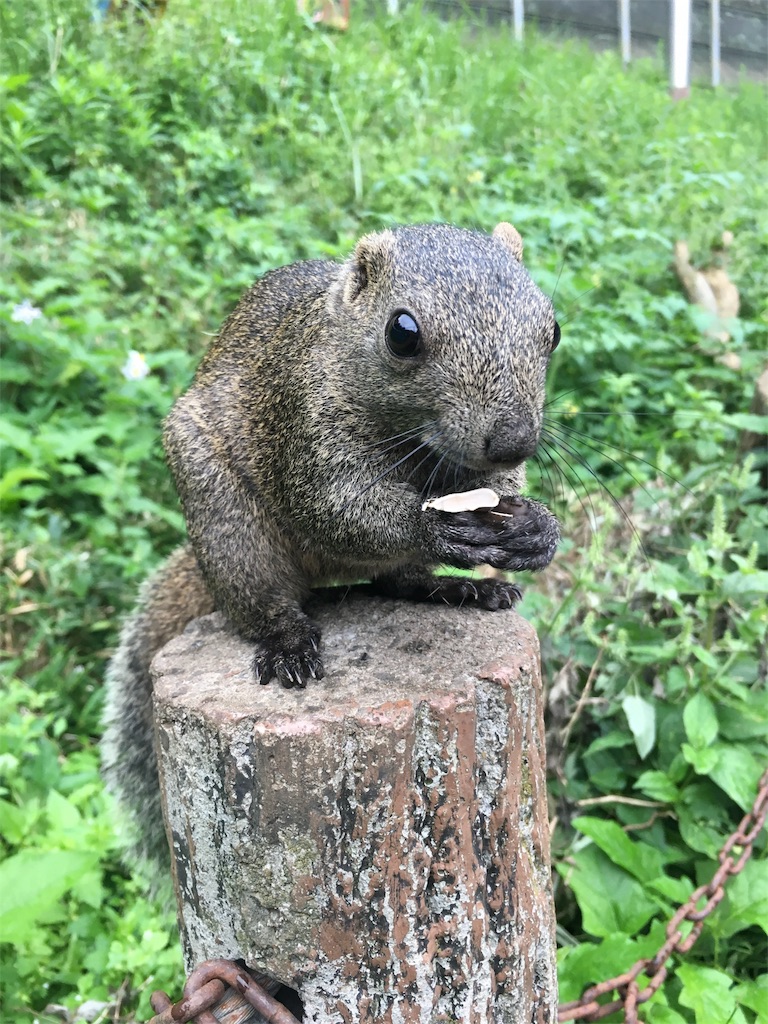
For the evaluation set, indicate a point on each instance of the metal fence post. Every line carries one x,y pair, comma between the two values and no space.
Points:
518,18
714,37
625,31
680,49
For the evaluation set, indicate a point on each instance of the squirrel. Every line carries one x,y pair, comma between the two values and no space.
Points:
336,398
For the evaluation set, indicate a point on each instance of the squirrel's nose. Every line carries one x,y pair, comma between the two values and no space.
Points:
511,445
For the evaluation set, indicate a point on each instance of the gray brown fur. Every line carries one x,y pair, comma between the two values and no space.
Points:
281,446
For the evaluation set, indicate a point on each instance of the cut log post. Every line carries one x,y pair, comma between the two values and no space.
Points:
378,842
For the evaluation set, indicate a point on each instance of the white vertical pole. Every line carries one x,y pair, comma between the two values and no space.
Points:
625,31
714,30
680,31
517,19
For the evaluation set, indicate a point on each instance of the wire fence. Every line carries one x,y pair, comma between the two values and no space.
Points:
712,34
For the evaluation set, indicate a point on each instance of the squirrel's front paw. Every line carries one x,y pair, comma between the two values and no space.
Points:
518,534
290,656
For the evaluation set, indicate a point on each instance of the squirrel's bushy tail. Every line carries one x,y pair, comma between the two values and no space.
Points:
169,599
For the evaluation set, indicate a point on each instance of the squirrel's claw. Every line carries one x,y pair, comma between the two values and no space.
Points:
491,594
293,663
415,583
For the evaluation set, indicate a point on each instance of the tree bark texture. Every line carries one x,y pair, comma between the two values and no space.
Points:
378,842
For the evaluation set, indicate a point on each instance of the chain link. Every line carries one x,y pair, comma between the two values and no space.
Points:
732,857
207,988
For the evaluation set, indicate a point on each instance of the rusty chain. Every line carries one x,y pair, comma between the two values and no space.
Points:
206,989
732,857
209,985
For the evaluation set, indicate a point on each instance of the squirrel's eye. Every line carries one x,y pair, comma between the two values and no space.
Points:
555,337
403,335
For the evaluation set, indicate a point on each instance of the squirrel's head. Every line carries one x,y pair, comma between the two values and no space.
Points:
452,339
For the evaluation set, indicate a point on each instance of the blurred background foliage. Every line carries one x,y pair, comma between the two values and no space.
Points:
152,168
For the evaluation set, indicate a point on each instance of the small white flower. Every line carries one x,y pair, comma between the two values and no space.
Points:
135,367
25,313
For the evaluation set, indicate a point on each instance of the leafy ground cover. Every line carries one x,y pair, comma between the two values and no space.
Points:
151,170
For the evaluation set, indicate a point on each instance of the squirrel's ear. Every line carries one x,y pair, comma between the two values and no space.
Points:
511,238
366,265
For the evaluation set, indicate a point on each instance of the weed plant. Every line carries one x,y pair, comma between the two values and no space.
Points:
151,170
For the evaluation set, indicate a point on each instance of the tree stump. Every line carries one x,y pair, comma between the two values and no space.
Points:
378,842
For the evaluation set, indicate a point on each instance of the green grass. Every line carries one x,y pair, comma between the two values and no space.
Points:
151,170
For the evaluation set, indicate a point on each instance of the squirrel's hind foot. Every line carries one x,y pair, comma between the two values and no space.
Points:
291,657
420,585
491,594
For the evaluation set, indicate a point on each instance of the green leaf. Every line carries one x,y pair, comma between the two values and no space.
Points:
708,993
706,816
643,861
641,718
32,882
609,898
677,890
10,481
746,901
748,421
743,586
588,962
754,994
706,657
702,761
700,837
747,720
613,740
63,816
658,1014
700,721
17,438
737,772
13,822
657,786
9,83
